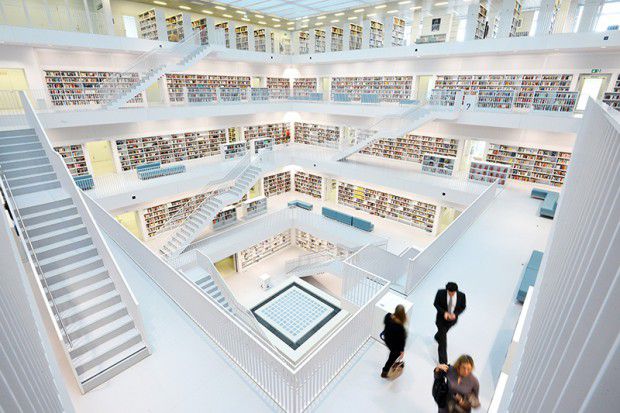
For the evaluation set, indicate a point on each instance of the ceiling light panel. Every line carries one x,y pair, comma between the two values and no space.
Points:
295,9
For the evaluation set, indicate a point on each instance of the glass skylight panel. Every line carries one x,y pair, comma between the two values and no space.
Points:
293,9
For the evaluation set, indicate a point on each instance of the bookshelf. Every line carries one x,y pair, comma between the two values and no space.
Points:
411,147
80,88
376,35
174,26
496,98
263,249
319,135
488,172
531,164
242,38
201,24
481,22
303,86
438,164
255,207
224,26
516,18
225,218
279,87
389,88
355,39
74,158
443,97
385,205
398,32
277,184
261,44
263,143
309,184
304,42
431,38
613,98
311,243
259,93
201,88
337,34
234,150
149,24
175,147
280,132
319,40
157,216
553,101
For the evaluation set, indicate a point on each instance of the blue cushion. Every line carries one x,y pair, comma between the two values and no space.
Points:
408,102
549,205
535,260
156,173
329,213
362,224
84,182
529,279
538,193
369,98
147,166
304,205
292,203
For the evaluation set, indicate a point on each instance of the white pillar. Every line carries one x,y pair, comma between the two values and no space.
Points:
571,17
89,20
589,16
108,17
545,18
506,14
252,39
472,21
346,36
187,26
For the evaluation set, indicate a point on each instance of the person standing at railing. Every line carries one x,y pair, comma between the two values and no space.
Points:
395,335
449,303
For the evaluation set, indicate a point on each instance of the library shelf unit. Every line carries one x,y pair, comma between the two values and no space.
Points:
201,24
80,88
149,23
524,86
355,37
431,38
174,26
74,158
174,147
398,32
280,132
157,216
260,41
552,101
489,172
318,135
279,87
388,88
319,40
263,249
242,38
411,148
309,184
303,86
304,42
262,143
225,218
531,164
255,207
613,98
495,98
385,205
311,243
277,184
376,35
337,34
444,97
201,86
438,164
481,22
516,18
234,150
224,26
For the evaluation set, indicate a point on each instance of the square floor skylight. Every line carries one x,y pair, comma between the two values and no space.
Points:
294,314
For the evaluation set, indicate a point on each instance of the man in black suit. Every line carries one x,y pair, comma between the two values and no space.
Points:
450,303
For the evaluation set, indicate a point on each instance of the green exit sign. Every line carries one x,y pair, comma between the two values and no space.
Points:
596,71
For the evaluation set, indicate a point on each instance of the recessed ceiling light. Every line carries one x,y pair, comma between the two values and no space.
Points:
262,22
185,8
207,11
276,25
260,16
290,23
220,7
352,18
321,17
339,14
358,11
416,7
441,3
245,19
371,14
404,2
318,23
275,20
391,11
304,25
239,11
161,3
334,21
381,6
227,15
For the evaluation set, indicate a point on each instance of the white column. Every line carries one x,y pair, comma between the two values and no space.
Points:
472,21
187,26
346,36
232,36
312,41
108,17
505,14
366,34
88,16
328,39
589,16
545,18
252,39
571,17
295,43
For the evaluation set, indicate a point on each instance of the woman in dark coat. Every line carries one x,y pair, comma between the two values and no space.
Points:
394,336
463,385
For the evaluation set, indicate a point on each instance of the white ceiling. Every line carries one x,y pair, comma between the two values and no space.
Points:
293,9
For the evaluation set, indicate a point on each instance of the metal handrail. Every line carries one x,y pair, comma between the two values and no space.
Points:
30,248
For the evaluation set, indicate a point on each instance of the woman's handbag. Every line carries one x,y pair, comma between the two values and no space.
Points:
397,368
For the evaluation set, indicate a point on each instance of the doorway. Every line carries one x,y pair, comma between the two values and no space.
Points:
473,150
131,221
591,86
424,84
226,266
101,158
331,190
326,86
446,216
12,79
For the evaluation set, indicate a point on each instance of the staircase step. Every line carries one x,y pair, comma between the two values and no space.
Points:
23,163
83,295
73,270
29,189
67,258
16,132
12,147
95,360
100,335
116,369
63,247
88,324
8,140
55,225
49,215
27,171
80,311
57,236
124,351
78,282
32,179
28,154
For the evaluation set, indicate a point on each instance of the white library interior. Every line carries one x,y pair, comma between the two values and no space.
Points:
211,206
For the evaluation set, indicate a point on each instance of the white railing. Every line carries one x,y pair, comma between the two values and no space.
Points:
293,390
11,111
311,259
383,263
68,185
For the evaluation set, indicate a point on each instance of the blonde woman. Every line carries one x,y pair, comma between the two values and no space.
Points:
395,336
463,386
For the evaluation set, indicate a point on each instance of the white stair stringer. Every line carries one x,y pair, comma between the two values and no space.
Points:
70,261
203,216
396,126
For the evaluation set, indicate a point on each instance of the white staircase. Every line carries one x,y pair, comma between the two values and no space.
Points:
99,334
151,66
310,264
204,214
395,126
210,287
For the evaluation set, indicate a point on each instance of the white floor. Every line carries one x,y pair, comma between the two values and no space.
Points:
186,371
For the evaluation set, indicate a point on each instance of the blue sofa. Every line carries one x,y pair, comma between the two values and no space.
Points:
341,97
549,204
84,182
409,102
301,204
348,219
369,98
529,274
154,170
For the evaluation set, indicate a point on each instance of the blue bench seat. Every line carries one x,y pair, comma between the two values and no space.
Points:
301,204
369,98
362,224
550,201
148,166
84,182
530,273
150,173
348,219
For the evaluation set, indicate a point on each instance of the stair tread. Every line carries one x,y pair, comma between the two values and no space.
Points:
76,279
51,222
31,176
105,347
61,243
93,318
78,308
72,295
43,182
56,233
65,255
100,332
72,266
89,374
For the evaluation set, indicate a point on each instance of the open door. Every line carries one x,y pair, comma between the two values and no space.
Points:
131,221
424,88
591,86
101,158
